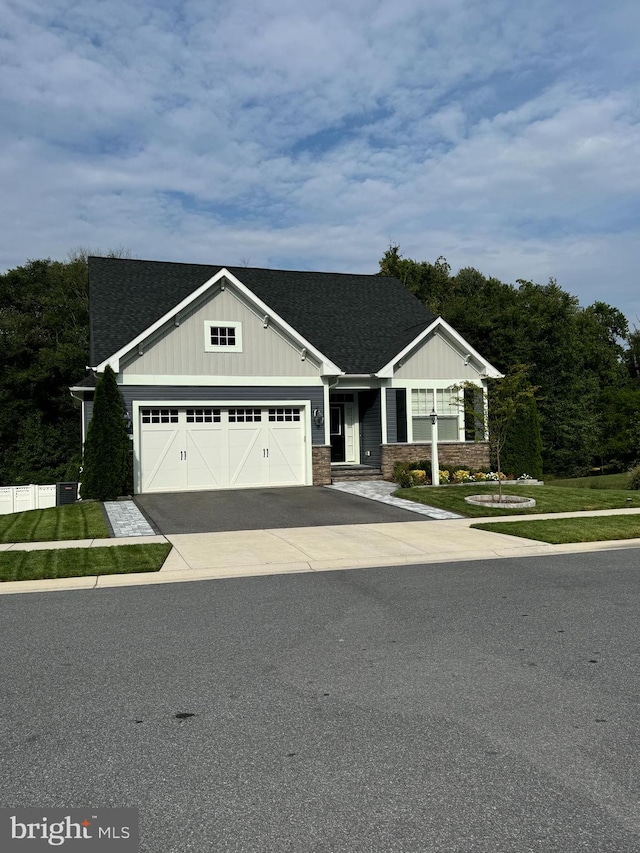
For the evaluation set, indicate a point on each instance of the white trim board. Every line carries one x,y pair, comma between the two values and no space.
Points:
410,384
168,380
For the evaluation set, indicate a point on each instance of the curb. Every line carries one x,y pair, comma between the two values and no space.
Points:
520,548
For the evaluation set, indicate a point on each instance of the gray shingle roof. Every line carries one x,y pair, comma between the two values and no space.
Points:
358,321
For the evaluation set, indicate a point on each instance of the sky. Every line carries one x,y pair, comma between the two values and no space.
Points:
502,135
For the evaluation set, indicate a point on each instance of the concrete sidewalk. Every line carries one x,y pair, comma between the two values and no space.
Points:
204,556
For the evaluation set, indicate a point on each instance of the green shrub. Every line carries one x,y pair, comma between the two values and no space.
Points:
107,450
401,474
522,451
634,478
407,474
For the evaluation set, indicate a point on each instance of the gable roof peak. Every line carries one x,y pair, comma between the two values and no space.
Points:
358,321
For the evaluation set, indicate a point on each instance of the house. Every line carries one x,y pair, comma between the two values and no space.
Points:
237,377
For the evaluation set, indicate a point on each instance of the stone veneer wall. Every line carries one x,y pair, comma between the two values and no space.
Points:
321,463
462,454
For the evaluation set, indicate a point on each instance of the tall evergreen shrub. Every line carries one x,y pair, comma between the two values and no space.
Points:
107,448
522,452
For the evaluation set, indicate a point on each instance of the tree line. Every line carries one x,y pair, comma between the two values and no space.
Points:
44,349
585,361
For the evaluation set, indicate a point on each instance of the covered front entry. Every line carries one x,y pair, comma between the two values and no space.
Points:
343,414
355,427
213,447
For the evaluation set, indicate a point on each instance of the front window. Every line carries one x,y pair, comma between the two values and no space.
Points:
445,401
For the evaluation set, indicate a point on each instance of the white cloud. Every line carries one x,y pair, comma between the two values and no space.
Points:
501,135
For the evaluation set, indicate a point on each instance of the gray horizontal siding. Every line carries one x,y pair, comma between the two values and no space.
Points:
206,393
88,411
370,427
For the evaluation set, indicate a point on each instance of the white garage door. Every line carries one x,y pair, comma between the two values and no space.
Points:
185,449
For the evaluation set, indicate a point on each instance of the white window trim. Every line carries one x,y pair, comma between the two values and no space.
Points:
431,391
225,324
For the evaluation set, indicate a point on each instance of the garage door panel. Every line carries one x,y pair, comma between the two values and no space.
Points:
286,459
206,458
162,464
246,455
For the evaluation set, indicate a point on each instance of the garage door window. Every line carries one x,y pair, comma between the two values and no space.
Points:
203,416
159,416
284,414
242,416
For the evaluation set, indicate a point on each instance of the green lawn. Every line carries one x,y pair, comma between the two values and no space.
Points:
548,499
602,481
559,531
80,562
75,521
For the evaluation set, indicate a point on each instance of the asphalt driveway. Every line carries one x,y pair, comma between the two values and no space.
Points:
263,509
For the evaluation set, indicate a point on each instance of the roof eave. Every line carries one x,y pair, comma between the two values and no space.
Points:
327,366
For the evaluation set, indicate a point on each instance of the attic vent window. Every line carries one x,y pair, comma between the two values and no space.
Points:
222,336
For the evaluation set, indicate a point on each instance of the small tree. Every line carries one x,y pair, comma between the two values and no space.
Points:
508,398
107,447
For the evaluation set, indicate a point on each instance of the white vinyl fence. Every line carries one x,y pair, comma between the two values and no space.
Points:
19,498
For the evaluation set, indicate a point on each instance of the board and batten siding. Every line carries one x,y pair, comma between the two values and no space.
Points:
180,350
218,395
437,358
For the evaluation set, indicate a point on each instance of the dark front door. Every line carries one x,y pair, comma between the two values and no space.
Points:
336,413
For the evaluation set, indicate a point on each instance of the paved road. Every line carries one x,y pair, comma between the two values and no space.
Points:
469,708
263,509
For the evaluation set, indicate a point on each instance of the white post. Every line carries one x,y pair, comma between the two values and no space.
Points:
435,464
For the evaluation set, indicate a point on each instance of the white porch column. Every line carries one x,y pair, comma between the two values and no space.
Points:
327,414
435,464
383,413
